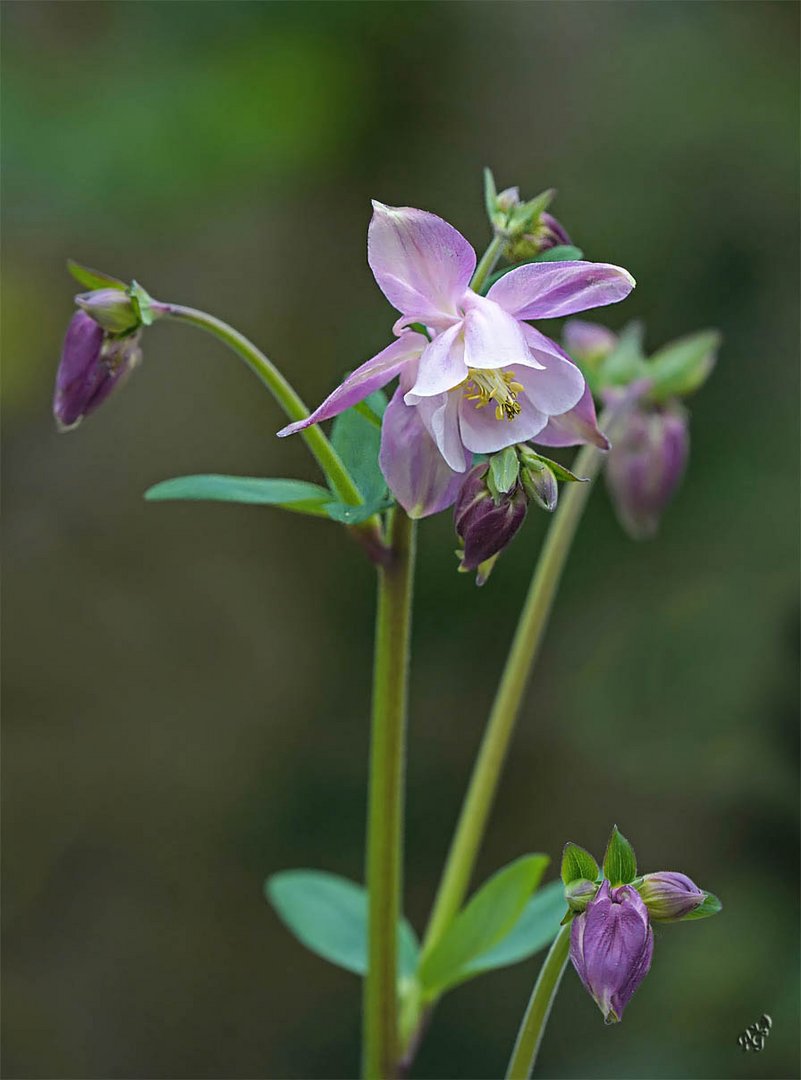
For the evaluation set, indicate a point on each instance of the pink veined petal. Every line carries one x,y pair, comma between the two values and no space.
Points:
492,338
372,375
550,290
441,365
421,263
577,425
483,433
417,473
440,415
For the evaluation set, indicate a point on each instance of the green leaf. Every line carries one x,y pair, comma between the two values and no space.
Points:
710,905
559,471
346,514
560,253
620,863
328,914
503,471
534,930
488,917
357,441
578,863
682,366
297,495
93,279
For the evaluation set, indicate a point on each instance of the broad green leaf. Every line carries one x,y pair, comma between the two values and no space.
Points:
620,863
578,863
560,253
357,441
488,917
682,366
297,495
503,471
93,279
346,514
328,914
534,930
710,905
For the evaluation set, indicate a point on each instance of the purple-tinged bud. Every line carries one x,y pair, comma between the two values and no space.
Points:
669,895
551,232
539,483
92,365
508,199
611,947
112,308
645,466
483,524
588,342
541,234
579,893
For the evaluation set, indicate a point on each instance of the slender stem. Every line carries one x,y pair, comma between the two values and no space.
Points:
532,1027
488,261
500,726
339,478
385,809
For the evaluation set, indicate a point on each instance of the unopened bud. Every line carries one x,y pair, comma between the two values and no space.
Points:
579,893
539,483
669,895
486,525
110,308
588,342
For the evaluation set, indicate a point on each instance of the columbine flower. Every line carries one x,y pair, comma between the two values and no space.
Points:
669,895
611,947
93,364
479,378
646,465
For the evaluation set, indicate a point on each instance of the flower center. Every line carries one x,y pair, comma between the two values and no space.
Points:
483,385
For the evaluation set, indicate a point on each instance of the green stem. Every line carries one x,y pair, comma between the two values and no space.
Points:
500,726
488,261
385,809
340,480
532,1028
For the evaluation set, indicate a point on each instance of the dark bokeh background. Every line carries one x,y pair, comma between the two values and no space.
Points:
186,687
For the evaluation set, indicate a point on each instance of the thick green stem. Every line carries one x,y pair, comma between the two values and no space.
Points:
385,810
500,726
340,480
532,1028
488,261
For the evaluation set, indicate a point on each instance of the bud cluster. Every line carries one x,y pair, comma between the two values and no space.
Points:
528,227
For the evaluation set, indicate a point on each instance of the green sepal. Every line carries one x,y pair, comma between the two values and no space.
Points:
710,905
93,279
620,863
527,215
578,863
681,367
328,914
142,303
490,197
296,495
487,918
503,472
624,364
532,459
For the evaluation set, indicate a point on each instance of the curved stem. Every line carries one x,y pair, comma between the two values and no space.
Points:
488,261
532,1027
340,480
385,809
500,726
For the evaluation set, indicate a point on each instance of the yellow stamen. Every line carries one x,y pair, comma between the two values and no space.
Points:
483,385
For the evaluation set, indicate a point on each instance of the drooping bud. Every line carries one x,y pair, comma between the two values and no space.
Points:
588,342
611,947
484,523
669,895
540,484
111,308
93,363
579,893
646,465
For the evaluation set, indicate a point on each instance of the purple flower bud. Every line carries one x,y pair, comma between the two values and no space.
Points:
669,895
484,527
611,947
588,342
92,364
645,466
551,232
112,308
540,484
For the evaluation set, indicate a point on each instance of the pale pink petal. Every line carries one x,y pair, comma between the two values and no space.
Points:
550,290
440,415
417,473
492,338
372,375
554,389
441,366
421,263
578,425
483,433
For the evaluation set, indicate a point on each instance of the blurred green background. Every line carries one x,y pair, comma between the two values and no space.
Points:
186,687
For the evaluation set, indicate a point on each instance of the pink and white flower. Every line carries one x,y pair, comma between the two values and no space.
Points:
479,378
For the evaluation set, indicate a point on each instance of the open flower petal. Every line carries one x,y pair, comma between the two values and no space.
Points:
372,375
483,433
440,415
551,290
417,473
557,387
421,263
577,425
442,365
492,338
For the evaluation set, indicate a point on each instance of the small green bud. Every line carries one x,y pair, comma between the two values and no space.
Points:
579,893
539,483
111,309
